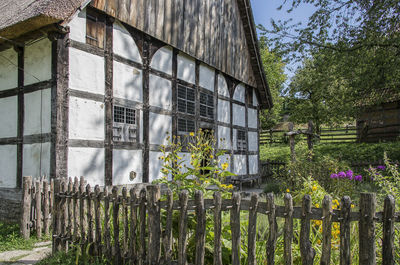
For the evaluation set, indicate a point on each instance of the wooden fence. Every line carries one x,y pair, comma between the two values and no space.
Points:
327,135
37,203
83,216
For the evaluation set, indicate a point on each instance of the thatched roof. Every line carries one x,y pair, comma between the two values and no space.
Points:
22,16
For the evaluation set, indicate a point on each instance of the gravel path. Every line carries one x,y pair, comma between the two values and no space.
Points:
23,257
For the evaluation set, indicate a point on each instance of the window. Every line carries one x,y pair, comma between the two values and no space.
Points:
186,99
241,140
95,29
185,126
125,127
206,105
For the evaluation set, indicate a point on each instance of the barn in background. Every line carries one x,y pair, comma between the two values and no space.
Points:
92,88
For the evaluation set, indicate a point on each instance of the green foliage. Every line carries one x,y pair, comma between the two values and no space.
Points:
274,186
274,71
10,238
73,257
348,153
205,169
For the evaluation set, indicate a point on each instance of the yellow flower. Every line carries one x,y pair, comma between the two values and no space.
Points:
230,186
211,156
352,206
336,202
314,188
317,205
318,222
319,242
191,133
287,190
224,166
162,157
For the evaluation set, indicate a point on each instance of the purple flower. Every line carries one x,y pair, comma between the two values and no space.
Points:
381,167
334,176
358,178
341,175
349,174
371,168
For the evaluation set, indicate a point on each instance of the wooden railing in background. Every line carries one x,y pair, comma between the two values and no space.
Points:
37,203
82,216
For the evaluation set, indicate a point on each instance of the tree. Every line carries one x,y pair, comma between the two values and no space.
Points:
350,52
274,70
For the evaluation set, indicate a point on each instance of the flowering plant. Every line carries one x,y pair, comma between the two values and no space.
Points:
192,163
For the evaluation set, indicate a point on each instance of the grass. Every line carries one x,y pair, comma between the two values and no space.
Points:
349,152
10,238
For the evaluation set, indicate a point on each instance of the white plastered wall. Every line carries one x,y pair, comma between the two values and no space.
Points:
224,111
234,140
186,68
239,164
162,60
125,162
253,141
77,27
225,158
239,115
155,166
160,92
37,62
252,118
159,126
37,112
123,43
8,117
222,86
127,82
253,164
8,69
87,162
36,162
8,165
86,72
240,92
224,137
207,77
86,119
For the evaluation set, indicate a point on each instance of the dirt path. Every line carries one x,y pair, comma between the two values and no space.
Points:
23,257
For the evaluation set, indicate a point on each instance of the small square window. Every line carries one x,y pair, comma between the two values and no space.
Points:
186,100
125,127
241,140
206,105
119,114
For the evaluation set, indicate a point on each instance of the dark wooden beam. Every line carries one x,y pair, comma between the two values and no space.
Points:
59,106
174,92
146,114
108,145
20,121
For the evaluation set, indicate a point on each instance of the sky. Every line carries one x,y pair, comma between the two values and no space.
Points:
265,10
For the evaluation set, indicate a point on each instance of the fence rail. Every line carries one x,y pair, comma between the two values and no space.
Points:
37,203
83,216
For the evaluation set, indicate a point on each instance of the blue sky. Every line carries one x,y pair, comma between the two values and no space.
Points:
265,10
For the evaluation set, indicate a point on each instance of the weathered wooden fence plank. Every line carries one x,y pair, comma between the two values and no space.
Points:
64,214
56,216
388,231
200,228
182,241
133,226
97,218
70,209
76,209
167,237
46,209
252,230
38,210
142,218
367,255
288,229
217,229
125,220
345,257
107,232
89,216
306,250
82,215
326,230
235,228
26,207
116,248
154,195
273,229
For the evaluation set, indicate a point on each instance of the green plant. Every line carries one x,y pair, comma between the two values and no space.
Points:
194,165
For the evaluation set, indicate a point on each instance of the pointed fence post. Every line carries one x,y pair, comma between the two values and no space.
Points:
273,229
153,204
252,234
345,257
182,242
388,231
367,253
235,228
217,229
306,250
288,229
326,230
26,207
200,228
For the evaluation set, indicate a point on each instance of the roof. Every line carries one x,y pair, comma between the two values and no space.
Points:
24,16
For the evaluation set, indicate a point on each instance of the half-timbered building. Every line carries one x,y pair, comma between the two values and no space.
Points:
91,88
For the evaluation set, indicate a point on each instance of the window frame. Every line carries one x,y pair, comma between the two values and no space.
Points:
124,131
